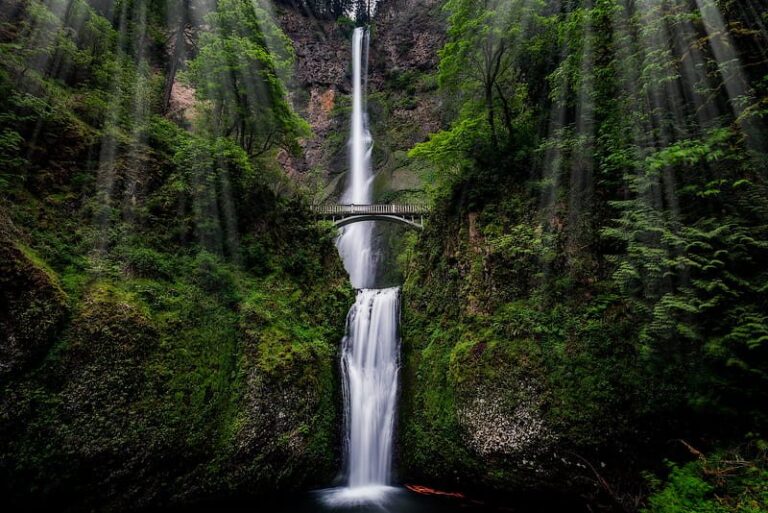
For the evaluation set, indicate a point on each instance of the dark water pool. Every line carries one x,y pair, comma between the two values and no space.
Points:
395,500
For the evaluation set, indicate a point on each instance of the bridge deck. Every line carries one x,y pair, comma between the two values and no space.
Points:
342,215
336,210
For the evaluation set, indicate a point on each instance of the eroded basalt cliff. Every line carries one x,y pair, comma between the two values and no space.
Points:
322,54
402,104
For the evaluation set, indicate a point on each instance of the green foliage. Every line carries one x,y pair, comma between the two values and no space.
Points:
479,62
210,174
696,282
10,144
238,69
147,263
214,278
686,493
722,483
450,148
605,249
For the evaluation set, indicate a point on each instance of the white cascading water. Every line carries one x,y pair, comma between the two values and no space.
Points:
370,348
369,367
354,243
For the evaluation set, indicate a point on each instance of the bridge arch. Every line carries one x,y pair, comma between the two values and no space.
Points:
409,215
409,222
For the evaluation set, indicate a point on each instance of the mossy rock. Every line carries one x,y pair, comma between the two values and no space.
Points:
287,432
33,307
79,428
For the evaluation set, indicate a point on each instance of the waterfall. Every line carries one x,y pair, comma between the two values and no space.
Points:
355,241
370,348
369,367
360,140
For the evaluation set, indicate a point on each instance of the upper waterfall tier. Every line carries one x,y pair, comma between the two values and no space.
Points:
355,242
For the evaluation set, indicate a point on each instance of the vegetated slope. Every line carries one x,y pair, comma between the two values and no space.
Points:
169,311
589,297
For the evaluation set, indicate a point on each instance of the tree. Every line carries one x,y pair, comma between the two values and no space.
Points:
330,9
237,70
479,59
181,38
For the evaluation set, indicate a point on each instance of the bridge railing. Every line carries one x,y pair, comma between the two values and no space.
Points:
331,209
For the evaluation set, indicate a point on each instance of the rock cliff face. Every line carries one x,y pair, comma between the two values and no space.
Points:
403,108
320,77
409,34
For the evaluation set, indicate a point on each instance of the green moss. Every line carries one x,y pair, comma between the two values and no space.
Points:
38,262
177,360
33,303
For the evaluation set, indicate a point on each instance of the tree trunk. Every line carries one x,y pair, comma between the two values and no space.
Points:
506,113
179,49
491,114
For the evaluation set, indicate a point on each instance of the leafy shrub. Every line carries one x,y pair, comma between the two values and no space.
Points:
728,483
212,275
147,263
255,255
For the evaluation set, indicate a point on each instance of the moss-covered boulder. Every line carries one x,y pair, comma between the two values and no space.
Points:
32,304
288,419
102,370
76,424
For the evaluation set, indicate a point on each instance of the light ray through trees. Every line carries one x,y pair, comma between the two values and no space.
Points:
230,54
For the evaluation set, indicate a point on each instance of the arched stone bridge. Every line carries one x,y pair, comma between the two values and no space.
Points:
411,215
